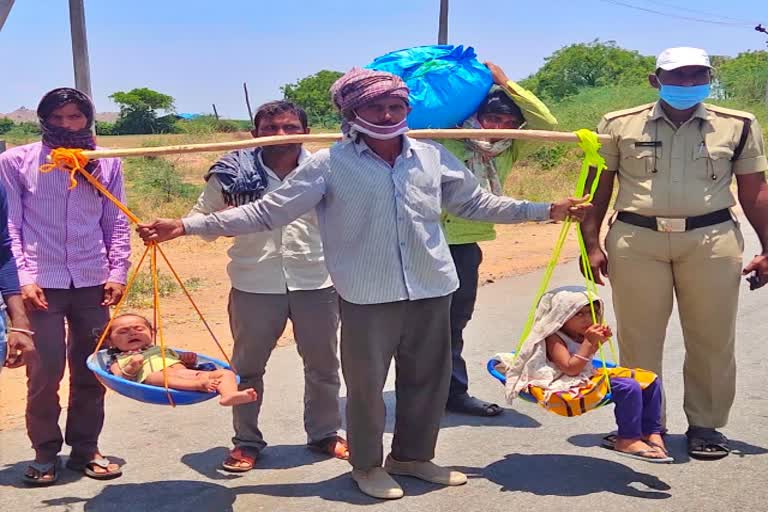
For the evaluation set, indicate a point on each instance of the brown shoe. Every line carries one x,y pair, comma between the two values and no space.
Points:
425,470
377,483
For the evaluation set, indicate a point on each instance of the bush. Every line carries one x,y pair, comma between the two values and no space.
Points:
311,94
155,187
588,65
22,133
105,128
209,124
584,109
549,156
5,125
141,122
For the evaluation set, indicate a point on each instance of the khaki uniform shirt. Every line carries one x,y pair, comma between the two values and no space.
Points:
679,172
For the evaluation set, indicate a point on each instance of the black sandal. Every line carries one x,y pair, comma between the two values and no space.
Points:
707,444
88,468
609,442
474,407
40,470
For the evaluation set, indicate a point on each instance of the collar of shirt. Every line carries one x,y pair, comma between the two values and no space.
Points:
361,147
303,156
657,113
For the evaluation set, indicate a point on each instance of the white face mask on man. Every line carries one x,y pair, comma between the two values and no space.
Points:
379,131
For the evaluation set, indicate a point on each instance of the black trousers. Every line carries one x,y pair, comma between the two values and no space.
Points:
467,259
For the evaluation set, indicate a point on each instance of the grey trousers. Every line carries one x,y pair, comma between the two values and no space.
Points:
83,312
417,334
257,320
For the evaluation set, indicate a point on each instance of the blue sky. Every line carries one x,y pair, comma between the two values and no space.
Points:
200,52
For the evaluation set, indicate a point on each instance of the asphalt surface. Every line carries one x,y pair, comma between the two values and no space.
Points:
525,459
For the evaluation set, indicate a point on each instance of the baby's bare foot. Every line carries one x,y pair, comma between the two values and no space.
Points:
209,385
240,397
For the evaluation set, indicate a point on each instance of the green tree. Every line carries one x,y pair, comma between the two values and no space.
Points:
586,65
139,111
745,77
105,128
5,125
312,94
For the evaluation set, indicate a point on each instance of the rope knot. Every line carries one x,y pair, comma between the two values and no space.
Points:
590,145
68,160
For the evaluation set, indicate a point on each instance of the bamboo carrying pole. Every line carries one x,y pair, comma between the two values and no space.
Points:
533,135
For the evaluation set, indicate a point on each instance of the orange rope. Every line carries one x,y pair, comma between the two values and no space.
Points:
197,310
121,301
74,161
159,326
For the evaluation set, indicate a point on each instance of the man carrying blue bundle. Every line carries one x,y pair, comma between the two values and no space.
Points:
507,106
378,196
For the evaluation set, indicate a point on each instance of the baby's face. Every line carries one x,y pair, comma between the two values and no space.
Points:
130,333
582,320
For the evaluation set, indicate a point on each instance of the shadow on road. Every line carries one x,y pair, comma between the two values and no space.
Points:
676,444
174,495
208,462
510,417
11,474
569,475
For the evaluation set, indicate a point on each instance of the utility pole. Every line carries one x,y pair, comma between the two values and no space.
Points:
248,104
760,28
5,9
442,33
80,47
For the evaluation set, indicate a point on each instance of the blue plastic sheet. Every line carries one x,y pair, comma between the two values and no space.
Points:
447,83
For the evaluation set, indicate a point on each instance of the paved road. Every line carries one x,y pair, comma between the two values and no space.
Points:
522,460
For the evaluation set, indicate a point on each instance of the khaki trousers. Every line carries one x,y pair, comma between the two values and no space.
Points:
417,334
257,320
703,268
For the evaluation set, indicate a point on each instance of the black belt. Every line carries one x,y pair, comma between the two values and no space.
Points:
675,225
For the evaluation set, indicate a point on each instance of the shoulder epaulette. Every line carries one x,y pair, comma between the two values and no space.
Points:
628,111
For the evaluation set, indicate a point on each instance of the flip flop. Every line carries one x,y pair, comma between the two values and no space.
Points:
707,444
335,446
42,469
237,456
609,442
473,407
87,470
643,455
657,446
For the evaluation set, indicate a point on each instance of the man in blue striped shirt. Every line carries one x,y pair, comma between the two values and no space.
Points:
379,197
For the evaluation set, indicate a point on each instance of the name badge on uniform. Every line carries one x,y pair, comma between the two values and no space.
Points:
648,144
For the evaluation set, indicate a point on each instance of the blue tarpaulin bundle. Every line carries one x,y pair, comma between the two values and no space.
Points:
447,82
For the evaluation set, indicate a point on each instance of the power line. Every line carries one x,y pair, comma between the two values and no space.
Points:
678,16
705,13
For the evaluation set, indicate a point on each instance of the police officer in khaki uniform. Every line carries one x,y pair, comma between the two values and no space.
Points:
674,233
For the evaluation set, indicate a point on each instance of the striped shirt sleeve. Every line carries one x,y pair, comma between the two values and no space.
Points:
463,197
114,225
9,176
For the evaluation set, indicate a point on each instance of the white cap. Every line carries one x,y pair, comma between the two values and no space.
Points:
673,58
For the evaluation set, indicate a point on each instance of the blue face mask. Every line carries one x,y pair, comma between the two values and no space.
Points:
682,97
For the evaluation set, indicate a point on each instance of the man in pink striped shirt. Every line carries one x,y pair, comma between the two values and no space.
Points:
71,248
